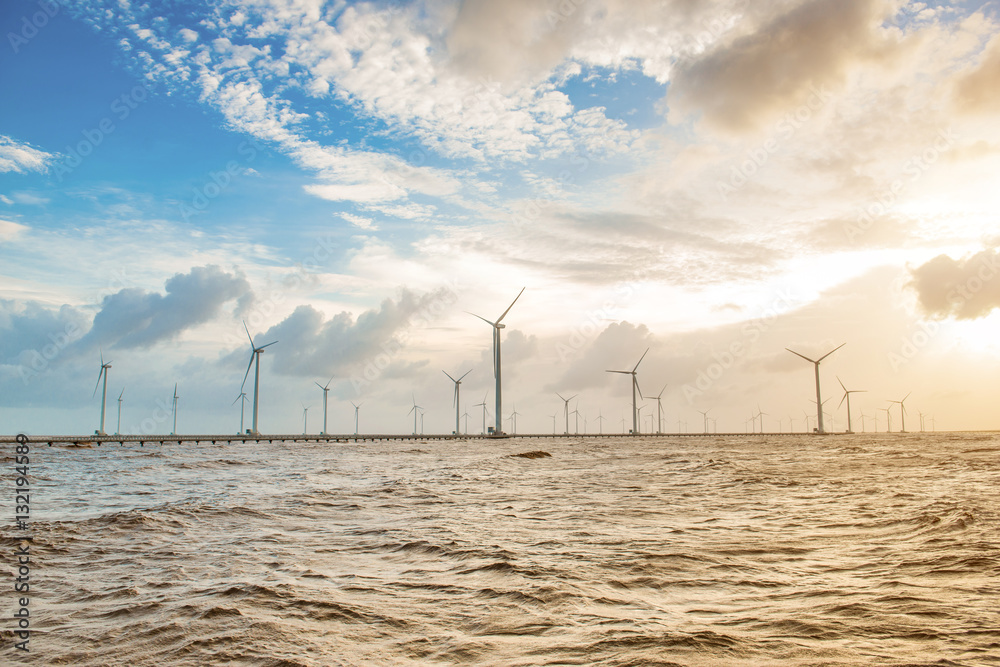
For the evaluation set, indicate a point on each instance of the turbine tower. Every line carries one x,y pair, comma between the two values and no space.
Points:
243,401
255,353
458,384
484,410
305,418
118,430
356,408
497,326
566,408
415,410
326,391
704,414
819,400
847,397
635,388
104,393
659,411
174,410
902,413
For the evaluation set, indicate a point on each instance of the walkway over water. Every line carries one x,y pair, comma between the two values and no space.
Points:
97,440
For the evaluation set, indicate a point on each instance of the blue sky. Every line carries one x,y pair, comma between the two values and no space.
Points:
351,178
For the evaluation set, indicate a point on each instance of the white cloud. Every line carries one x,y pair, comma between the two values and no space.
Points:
21,158
10,230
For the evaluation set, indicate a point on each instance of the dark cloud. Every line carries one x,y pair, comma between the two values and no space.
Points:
135,318
783,64
965,288
33,327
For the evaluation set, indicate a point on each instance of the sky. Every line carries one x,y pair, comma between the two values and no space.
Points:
712,181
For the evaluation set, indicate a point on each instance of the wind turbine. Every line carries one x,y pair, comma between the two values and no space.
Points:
566,408
243,401
415,410
760,415
847,397
635,388
458,384
497,326
513,420
104,394
119,429
466,415
576,425
704,414
326,391
888,420
255,353
484,410
819,401
356,408
600,423
174,410
902,413
305,418
553,424
659,412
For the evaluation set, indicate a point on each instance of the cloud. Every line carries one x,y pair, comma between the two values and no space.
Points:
965,289
135,318
740,85
979,89
30,327
21,158
10,230
310,345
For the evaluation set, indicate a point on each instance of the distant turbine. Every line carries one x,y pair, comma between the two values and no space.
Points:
704,414
119,429
484,410
888,420
566,408
466,415
497,326
847,397
635,388
659,412
305,419
174,410
326,391
458,384
600,423
760,415
243,401
255,353
576,425
415,409
104,394
902,413
513,420
553,424
356,408
819,401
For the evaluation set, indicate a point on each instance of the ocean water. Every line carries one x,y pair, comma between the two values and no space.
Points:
794,550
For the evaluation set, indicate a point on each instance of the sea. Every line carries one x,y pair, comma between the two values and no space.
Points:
861,549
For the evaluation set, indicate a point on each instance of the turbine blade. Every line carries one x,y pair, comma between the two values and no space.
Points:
830,352
841,384
248,334
247,374
636,381
499,319
842,400
906,397
98,380
319,385
121,394
640,360
466,373
268,345
560,396
492,324
625,372
812,361
449,376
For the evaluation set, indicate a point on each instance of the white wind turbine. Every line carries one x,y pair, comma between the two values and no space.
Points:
902,413
458,384
255,353
566,409
415,410
513,420
819,401
497,326
484,410
659,411
305,418
704,414
119,429
242,398
326,391
847,397
104,393
635,388
174,410
600,423
356,408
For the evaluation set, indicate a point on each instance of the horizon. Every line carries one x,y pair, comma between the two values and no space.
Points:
718,184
